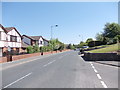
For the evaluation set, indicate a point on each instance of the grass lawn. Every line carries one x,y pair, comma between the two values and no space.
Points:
109,48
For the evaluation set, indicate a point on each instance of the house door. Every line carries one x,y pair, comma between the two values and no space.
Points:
0,52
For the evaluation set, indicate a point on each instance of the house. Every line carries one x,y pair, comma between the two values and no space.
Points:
3,40
35,40
9,36
13,39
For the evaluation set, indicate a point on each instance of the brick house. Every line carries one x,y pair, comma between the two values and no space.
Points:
35,40
9,36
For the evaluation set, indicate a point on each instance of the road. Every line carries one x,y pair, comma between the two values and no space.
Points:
63,70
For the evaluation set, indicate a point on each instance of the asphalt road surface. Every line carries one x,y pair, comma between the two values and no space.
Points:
63,70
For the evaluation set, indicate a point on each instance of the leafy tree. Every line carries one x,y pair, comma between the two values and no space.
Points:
111,30
99,37
70,46
36,49
82,44
109,36
30,49
55,44
88,40
61,47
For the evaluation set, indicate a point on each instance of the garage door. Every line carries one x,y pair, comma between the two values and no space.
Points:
0,52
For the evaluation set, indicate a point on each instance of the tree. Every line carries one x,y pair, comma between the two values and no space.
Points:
30,49
111,30
55,44
82,44
88,40
108,36
99,37
62,46
36,49
70,46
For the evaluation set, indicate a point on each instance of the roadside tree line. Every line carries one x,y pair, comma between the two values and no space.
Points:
53,45
110,35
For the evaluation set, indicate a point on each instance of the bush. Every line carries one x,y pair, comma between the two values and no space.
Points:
45,48
36,49
61,47
95,43
30,49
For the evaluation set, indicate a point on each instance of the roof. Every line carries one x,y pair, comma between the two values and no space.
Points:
3,28
8,29
35,37
24,44
45,39
1,25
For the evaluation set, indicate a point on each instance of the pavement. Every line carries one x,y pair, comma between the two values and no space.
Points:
112,63
62,70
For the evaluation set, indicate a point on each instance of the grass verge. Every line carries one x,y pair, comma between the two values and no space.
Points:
109,48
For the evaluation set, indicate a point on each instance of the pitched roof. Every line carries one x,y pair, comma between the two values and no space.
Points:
8,29
24,45
35,37
45,39
3,28
1,25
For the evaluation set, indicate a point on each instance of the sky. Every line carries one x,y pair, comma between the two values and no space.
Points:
76,21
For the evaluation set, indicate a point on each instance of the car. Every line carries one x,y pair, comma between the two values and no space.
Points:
85,47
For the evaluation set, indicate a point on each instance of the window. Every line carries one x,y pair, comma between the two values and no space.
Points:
13,38
40,42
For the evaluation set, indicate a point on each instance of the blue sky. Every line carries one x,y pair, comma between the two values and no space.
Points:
73,18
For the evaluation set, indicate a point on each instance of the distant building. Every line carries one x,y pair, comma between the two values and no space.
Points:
35,40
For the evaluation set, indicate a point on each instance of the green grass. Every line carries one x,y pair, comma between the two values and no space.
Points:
109,48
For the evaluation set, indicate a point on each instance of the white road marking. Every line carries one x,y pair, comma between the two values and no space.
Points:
60,57
95,70
91,64
98,75
49,63
18,80
104,85
93,67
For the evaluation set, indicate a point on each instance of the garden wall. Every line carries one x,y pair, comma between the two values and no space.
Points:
18,57
101,57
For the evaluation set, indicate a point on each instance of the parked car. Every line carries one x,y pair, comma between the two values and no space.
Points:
85,47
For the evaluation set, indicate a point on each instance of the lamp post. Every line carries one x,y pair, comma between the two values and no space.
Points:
52,35
52,30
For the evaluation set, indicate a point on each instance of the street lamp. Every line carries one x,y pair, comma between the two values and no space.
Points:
52,30
51,35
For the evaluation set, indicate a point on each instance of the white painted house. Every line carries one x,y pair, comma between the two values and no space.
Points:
9,37
14,39
32,40
3,39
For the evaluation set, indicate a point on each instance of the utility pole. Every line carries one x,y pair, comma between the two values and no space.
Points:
52,36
